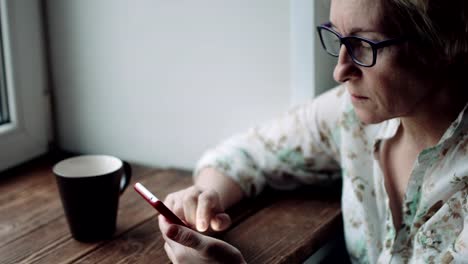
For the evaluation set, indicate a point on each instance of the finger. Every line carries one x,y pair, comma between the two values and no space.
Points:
190,202
185,237
163,225
178,209
221,222
169,201
174,205
208,206
169,252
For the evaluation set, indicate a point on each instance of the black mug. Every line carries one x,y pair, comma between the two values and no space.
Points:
90,187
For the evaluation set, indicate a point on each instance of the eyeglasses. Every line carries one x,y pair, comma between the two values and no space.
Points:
362,51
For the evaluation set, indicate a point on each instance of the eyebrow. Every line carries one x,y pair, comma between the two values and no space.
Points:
354,29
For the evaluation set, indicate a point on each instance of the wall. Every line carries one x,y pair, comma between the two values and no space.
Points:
159,81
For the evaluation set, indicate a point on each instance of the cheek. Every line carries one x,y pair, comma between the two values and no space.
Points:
388,94
384,89
391,93
397,93
394,89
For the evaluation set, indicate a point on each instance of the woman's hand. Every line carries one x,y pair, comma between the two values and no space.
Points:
199,208
184,245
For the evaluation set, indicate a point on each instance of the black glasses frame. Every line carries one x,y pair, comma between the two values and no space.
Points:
345,41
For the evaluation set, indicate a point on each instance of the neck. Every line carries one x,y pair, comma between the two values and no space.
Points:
425,126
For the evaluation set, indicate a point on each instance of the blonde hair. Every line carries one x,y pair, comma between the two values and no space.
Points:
438,29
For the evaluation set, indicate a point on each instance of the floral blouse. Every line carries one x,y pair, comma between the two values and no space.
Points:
323,136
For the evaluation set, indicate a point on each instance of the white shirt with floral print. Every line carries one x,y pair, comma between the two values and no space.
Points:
325,135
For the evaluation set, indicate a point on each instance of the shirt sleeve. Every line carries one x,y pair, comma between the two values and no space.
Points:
300,147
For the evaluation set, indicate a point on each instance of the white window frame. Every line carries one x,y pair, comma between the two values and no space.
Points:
27,135
311,67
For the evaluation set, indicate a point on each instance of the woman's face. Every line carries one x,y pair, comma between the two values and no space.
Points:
386,90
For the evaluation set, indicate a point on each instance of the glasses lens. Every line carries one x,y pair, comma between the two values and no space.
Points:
331,42
361,51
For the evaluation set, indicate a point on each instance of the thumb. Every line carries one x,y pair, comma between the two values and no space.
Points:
186,237
221,222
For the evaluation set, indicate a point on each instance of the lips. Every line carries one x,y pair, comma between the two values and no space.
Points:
359,97
355,97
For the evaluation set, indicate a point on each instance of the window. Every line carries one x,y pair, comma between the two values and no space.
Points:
24,117
3,107
311,67
4,113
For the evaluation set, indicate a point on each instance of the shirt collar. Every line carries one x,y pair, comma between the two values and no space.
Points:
386,130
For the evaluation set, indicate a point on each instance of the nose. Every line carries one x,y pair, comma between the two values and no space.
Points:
345,68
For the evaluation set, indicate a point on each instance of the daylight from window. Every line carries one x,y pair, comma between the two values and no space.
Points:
4,115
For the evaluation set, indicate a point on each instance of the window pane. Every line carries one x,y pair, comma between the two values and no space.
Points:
4,115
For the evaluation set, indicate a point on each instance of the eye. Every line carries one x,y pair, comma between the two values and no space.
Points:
365,45
359,44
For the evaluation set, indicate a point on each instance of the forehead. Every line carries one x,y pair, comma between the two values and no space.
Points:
347,15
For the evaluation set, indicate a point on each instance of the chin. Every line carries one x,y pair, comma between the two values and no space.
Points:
368,117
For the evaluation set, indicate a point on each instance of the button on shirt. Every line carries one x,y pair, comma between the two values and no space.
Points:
324,140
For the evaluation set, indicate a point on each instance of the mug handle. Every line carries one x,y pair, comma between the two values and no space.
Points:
125,180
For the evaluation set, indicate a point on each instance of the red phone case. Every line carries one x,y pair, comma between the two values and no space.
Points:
157,204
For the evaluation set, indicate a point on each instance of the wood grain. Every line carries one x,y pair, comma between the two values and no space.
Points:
286,231
276,227
33,222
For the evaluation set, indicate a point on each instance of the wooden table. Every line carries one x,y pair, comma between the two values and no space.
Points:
277,227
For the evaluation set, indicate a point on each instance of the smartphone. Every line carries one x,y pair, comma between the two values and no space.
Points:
157,204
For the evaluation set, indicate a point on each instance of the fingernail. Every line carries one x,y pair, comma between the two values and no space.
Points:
202,226
218,223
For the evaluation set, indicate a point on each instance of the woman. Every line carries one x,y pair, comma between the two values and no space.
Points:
397,128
